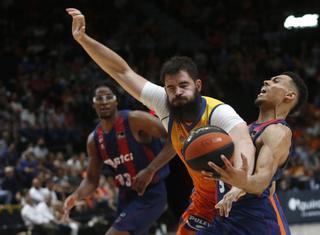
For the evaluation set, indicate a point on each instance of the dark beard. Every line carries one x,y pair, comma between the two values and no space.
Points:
188,111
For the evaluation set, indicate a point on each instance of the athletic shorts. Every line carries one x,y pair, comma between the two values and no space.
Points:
251,217
138,213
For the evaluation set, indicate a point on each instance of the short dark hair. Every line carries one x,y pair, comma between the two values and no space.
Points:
102,83
302,90
177,64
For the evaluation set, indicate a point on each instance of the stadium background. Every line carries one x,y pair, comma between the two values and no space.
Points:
46,78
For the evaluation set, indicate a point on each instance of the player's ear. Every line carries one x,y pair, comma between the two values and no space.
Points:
290,96
198,84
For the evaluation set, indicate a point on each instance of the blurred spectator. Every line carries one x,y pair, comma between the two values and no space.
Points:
37,193
40,150
11,183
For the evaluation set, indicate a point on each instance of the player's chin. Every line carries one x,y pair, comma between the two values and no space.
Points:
258,100
104,115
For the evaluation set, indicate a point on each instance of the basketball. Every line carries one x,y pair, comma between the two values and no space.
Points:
207,144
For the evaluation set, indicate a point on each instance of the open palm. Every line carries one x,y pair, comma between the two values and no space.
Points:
78,23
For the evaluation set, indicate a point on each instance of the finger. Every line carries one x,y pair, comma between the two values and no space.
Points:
216,168
207,173
141,192
219,204
70,203
227,163
228,208
210,178
239,195
65,216
74,13
221,211
73,10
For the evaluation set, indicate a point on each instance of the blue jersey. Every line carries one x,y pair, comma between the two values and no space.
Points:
255,130
252,214
124,154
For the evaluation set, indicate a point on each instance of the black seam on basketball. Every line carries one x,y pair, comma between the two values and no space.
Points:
198,132
201,162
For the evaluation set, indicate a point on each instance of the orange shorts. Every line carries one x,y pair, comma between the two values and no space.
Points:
198,215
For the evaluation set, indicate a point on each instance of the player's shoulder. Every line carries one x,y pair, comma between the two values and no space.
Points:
90,138
278,127
138,115
277,130
211,100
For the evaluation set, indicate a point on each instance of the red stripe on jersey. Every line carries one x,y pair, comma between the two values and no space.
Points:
149,153
123,146
102,148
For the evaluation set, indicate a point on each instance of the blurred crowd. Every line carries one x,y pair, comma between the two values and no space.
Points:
45,110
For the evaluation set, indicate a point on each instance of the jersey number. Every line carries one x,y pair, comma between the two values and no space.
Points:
222,188
124,179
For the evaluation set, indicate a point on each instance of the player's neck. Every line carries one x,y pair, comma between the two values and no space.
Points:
267,114
108,123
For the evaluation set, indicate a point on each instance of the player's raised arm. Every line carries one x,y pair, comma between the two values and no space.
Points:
107,59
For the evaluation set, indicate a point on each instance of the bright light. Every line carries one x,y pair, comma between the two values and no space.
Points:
306,21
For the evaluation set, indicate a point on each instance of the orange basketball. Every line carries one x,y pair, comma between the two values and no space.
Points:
207,144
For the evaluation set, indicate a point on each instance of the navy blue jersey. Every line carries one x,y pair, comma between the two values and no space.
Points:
124,154
255,130
252,214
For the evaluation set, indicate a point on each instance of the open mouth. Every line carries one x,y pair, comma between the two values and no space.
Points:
262,91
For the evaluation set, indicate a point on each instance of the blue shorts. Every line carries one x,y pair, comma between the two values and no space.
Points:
251,217
137,214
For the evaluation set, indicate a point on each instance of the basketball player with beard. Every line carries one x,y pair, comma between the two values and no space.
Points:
259,211
128,142
181,109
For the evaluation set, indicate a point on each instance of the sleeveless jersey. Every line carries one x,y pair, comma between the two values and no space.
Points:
204,190
255,130
124,154
253,214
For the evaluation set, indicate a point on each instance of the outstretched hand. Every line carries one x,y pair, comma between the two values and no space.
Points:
229,174
224,206
142,180
78,23
68,205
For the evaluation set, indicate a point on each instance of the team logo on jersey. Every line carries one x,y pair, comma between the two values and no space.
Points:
115,162
197,223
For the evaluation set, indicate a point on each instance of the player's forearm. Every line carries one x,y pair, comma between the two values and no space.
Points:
107,59
245,147
164,156
257,183
85,189
114,65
